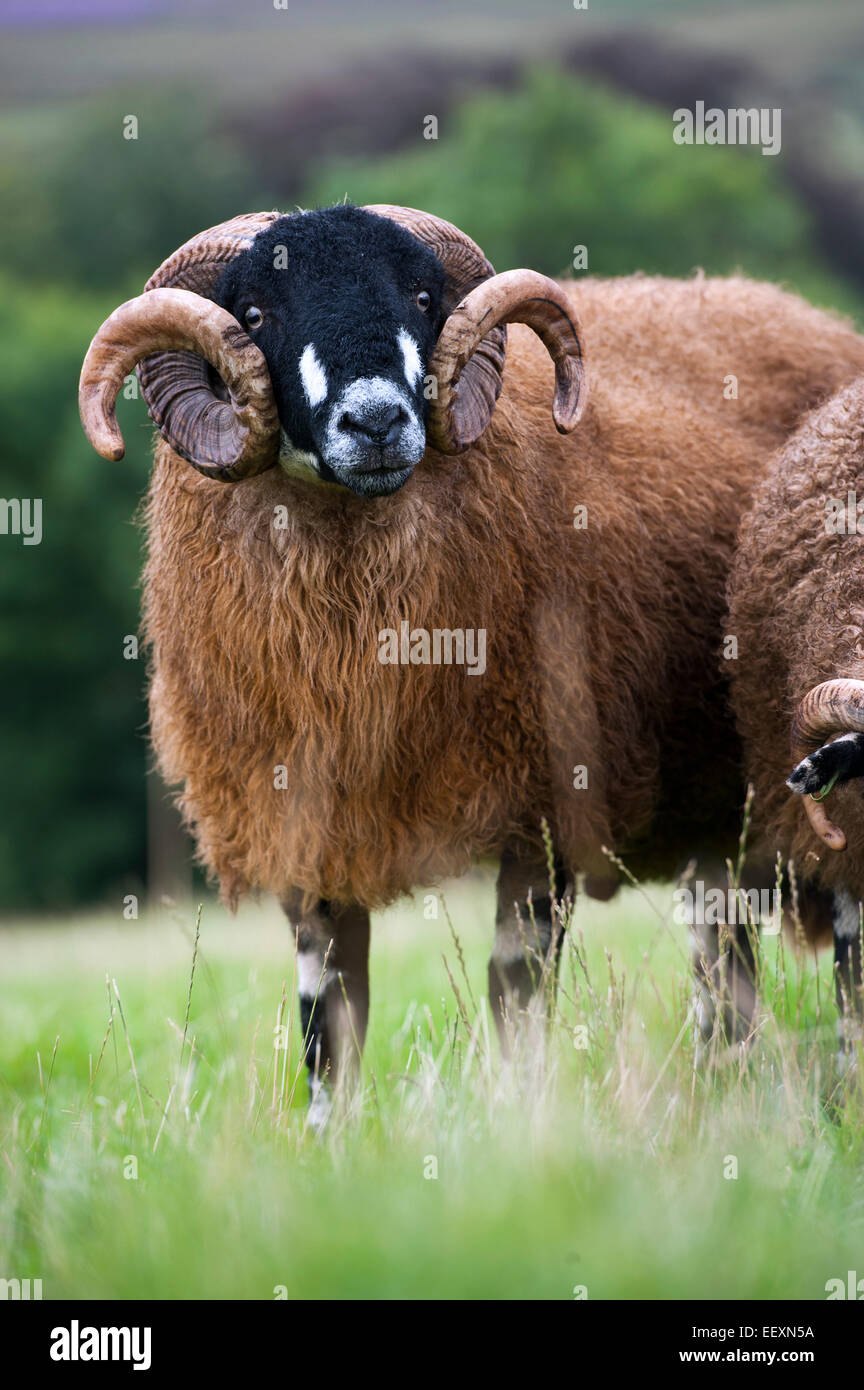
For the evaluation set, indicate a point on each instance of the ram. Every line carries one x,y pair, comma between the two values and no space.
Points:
796,595
332,378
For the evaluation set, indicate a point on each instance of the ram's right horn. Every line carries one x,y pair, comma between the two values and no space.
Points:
169,331
516,296
227,440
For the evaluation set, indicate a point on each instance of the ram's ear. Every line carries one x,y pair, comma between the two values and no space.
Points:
468,361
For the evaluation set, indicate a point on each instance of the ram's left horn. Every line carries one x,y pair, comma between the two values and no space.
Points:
515,296
233,439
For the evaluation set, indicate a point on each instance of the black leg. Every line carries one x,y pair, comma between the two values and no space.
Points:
724,956
725,967
848,979
528,939
333,986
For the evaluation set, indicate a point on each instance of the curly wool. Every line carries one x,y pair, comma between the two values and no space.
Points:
796,596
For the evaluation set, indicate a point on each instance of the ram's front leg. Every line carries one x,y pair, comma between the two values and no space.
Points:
333,986
724,962
848,974
523,968
724,957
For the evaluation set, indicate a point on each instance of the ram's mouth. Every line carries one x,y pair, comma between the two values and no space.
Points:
370,478
377,474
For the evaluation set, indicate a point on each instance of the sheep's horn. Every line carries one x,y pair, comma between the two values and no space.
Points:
516,296
834,707
232,439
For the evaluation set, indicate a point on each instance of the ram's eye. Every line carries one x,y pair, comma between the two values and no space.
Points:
423,299
254,317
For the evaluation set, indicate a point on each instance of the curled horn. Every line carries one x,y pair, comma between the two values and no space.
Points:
172,331
516,296
468,361
834,707
232,440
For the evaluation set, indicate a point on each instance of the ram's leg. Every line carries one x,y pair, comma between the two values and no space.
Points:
725,967
724,963
848,977
333,985
528,938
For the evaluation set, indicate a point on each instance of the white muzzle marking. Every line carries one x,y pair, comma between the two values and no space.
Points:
372,392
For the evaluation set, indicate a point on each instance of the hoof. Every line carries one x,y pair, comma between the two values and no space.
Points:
320,1106
848,1038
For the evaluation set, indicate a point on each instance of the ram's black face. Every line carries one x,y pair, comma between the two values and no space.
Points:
346,307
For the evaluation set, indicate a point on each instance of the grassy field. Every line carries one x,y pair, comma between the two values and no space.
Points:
133,1164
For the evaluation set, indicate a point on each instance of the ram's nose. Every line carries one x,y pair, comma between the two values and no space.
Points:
379,425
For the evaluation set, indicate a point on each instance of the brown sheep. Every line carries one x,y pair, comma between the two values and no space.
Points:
796,597
594,565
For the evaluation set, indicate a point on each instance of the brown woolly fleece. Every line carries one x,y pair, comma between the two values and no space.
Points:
796,595
602,642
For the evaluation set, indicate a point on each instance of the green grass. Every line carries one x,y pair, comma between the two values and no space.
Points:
600,1167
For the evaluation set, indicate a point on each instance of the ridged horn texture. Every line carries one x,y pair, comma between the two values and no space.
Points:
517,296
834,707
230,440
468,362
172,338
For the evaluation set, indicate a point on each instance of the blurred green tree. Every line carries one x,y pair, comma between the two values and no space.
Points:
72,746
84,205
562,162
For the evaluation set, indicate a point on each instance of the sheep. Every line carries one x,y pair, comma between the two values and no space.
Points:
375,483
796,605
